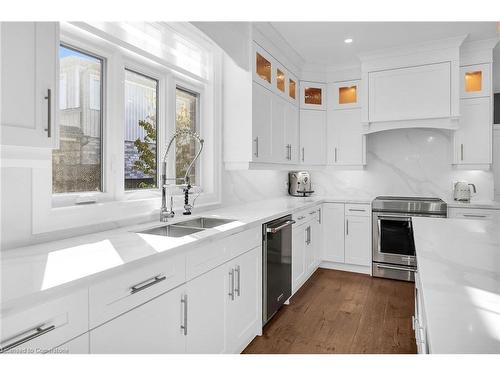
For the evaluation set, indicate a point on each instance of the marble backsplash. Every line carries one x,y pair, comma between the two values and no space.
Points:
413,162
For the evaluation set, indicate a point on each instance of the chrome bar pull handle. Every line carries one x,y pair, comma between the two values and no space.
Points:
302,154
238,280
184,325
347,227
256,140
335,154
146,284
462,152
231,284
39,331
49,112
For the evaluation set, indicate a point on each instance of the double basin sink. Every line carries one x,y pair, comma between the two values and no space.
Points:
187,227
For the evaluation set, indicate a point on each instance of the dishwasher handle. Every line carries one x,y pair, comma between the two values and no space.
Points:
280,227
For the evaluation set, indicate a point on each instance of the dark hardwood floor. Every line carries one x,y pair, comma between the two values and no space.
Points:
342,312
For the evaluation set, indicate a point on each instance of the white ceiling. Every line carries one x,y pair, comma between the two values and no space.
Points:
323,42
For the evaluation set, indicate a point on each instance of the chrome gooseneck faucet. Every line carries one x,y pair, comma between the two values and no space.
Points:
165,212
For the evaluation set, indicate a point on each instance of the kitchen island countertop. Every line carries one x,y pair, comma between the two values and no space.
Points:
459,269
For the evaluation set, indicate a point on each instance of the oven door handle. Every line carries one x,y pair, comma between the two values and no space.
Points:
398,268
394,218
277,229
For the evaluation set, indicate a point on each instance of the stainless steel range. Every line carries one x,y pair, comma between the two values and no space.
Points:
393,246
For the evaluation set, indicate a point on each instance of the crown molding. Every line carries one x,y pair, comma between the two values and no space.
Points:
416,48
265,33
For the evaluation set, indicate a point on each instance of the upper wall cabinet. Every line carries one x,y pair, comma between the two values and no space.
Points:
418,92
312,95
475,81
293,89
474,138
413,86
344,95
263,67
29,61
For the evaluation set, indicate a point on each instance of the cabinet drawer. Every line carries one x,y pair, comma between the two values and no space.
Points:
122,293
44,327
305,215
300,217
473,213
357,209
207,257
313,214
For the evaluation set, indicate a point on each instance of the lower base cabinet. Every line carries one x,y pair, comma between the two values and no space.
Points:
152,328
219,311
358,240
333,235
206,315
347,235
244,301
306,247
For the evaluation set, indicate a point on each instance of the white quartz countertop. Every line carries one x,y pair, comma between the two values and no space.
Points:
459,268
30,274
492,205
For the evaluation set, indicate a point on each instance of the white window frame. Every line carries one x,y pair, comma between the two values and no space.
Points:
107,184
199,90
114,204
162,76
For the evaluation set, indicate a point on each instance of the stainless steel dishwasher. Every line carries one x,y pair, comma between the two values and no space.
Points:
277,265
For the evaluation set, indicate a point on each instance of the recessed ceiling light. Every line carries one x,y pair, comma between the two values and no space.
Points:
348,40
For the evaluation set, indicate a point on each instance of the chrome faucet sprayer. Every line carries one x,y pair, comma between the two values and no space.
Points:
166,213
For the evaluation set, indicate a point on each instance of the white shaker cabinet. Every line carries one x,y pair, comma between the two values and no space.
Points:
358,235
275,127
244,300
206,312
333,232
312,137
344,95
306,245
417,92
299,238
475,81
312,95
262,123
474,137
292,133
151,328
29,78
346,143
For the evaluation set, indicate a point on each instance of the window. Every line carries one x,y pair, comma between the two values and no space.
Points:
95,92
63,95
76,165
186,111
141,114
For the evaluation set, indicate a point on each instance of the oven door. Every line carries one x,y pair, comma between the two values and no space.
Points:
393,239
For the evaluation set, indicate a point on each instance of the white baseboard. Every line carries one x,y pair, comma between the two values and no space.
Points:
346,267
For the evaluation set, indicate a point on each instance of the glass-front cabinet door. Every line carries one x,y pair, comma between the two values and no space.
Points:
475,81
312,95
345,94
263,68
293,89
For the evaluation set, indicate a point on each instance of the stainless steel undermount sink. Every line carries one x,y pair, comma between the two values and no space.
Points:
171,231
202,222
